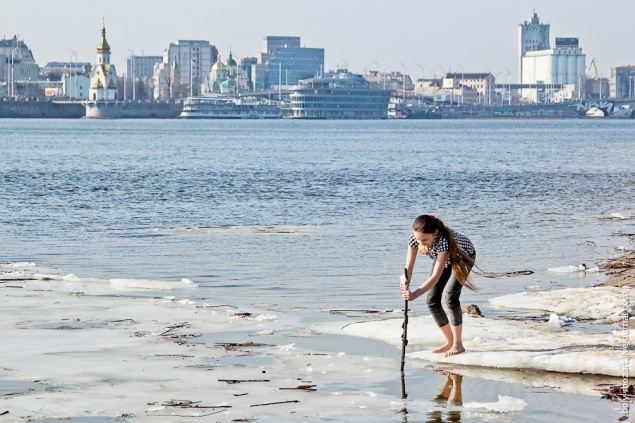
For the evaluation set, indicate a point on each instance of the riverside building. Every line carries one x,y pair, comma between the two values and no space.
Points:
284,62
539,64
185,64
17,65
622,85
337,96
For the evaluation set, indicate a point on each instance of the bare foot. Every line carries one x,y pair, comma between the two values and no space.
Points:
457,349
442,348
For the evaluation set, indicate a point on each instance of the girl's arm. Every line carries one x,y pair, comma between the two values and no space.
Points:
442,258
411,257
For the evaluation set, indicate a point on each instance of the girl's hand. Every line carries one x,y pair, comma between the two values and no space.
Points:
410,296
403,283
405,291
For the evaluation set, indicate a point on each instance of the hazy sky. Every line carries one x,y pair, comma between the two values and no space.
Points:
422,36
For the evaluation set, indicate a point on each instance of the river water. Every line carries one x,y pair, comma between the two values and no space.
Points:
112,198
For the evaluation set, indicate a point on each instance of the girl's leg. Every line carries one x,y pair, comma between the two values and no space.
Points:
456,315
436,310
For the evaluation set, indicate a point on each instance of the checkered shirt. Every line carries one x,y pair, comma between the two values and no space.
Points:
440,244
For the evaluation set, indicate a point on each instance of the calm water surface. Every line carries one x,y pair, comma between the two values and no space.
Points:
94,198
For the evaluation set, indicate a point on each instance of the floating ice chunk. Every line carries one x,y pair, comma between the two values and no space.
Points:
265,317
568,269
580,268
152,284
504,404
621,216
266,332
578,303
554,319
302,333
18,264
48,277
502,343
287,347
15,275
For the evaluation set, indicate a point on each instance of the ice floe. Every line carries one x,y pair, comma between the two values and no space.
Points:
581,268
508,344
505,404
554,319
597,303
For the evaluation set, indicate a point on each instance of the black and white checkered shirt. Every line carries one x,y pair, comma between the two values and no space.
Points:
440,244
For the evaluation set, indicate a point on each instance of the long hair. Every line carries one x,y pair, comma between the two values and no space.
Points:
460,261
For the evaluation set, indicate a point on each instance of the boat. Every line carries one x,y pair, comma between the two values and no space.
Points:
411,109
341,95
229,107
625,111
595,112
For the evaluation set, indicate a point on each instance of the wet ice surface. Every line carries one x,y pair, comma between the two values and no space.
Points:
605,303
102,354
508,344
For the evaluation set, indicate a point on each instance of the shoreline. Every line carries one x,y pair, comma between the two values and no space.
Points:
621,270
84,351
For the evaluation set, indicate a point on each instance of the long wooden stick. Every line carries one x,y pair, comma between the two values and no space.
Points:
404,337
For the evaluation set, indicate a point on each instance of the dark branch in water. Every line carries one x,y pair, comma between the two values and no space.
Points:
276,403
501,274
232,381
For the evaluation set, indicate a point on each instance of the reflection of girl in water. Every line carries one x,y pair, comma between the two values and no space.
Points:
451,391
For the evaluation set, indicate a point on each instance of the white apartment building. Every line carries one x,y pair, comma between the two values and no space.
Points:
192,58
483,84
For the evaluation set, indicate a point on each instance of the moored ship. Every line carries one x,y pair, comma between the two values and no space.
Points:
227,107
338,96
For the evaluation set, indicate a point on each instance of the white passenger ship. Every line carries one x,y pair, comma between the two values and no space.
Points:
228,107
338,96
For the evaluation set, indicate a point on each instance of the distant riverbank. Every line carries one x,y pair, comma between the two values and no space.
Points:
24,109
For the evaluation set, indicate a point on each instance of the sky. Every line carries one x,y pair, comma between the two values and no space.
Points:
420,37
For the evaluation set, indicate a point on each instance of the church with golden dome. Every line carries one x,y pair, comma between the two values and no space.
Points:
225,78
102,96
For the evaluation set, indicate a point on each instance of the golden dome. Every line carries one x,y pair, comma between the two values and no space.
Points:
103,44
218,65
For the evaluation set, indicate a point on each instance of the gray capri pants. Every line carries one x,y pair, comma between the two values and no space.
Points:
452,295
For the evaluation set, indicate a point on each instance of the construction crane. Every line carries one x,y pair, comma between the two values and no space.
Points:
595,68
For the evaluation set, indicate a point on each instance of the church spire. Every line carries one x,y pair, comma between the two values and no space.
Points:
103,49
103,46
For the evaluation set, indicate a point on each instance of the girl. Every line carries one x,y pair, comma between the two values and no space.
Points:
453,256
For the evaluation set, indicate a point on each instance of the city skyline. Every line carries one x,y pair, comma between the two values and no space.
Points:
418,37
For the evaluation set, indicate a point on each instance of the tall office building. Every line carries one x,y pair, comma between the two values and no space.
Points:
272,43
284,62
192,59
